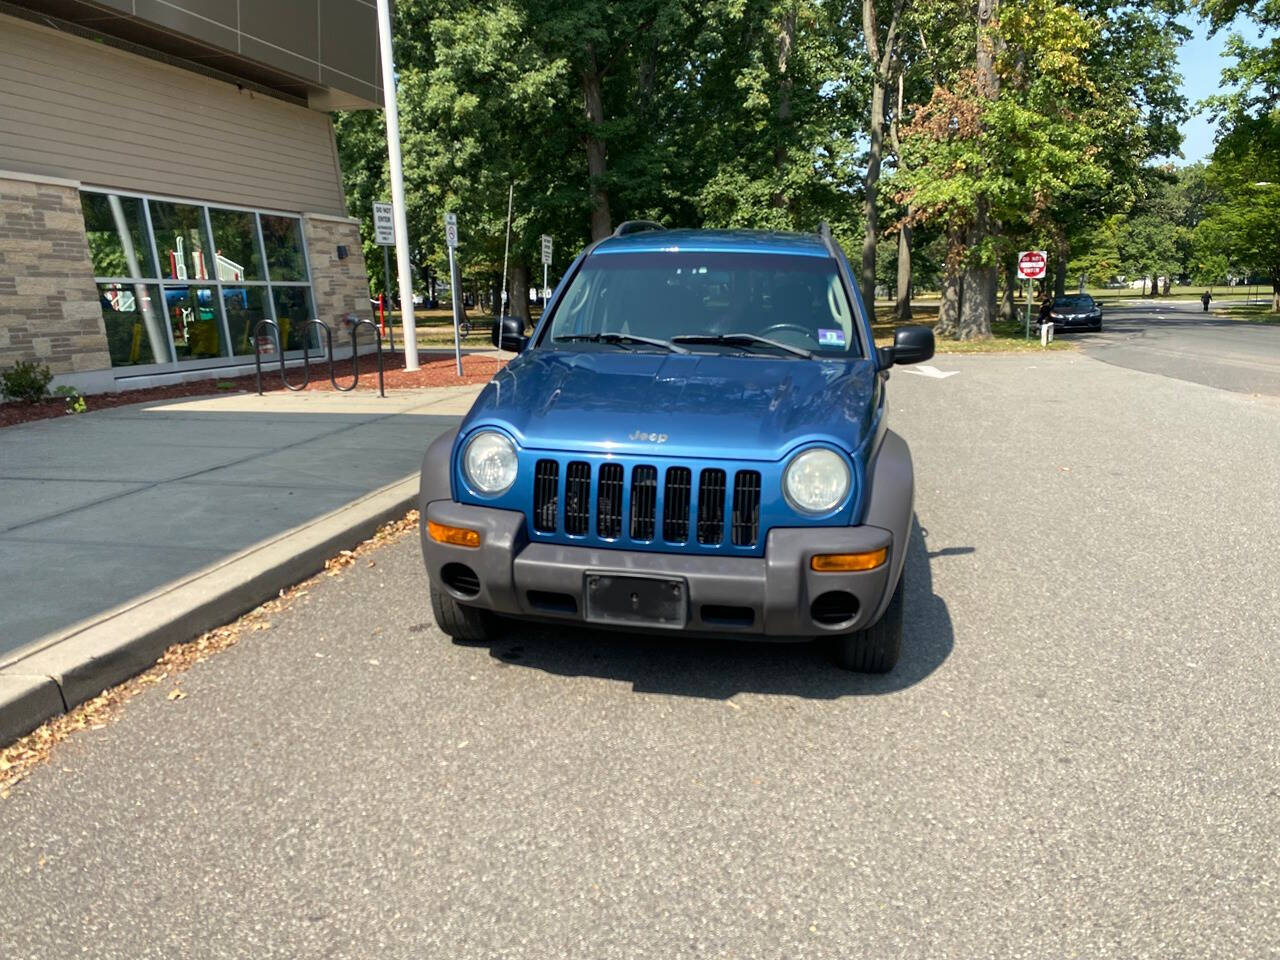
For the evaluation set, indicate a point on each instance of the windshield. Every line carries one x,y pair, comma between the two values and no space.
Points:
1073,303
795,301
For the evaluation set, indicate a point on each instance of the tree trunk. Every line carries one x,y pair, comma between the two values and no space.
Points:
882,64
786,40
1155,285
518,290
1060,270
1164,287
952,287
597,165
1008,306
1275,296
870,206
902,308
978,302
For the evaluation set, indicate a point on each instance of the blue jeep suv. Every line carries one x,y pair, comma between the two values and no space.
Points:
692,438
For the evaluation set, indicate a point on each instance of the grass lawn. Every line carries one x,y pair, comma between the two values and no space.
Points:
435,331
1249,312
1005,337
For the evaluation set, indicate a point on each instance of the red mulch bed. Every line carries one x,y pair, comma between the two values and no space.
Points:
431,373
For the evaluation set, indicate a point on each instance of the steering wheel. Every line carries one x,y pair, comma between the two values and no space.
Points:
803,331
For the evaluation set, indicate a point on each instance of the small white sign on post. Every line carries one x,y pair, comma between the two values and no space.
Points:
384,224
455,291
546,250
1032,264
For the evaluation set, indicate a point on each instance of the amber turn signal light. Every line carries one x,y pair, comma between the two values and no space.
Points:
849,562
458,536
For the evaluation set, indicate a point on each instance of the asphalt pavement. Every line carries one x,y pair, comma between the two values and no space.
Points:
1076,757
1176,338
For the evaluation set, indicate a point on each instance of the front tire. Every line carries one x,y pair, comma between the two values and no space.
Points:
877,648
462,623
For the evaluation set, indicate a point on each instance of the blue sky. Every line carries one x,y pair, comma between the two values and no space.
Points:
1201,61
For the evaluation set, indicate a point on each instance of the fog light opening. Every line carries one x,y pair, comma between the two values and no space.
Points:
834,608
458,536
461,579
849,562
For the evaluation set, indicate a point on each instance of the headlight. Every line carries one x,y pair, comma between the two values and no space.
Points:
489,462
816,480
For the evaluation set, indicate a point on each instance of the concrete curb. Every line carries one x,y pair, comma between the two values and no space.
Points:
61,670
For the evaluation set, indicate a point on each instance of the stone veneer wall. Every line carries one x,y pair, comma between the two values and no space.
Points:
340,286
48,301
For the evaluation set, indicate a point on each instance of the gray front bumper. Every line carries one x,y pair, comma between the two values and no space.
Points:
516,577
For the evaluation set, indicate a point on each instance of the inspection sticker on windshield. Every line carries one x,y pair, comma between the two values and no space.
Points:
831,338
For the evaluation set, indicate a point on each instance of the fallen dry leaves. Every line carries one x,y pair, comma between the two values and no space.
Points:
23,755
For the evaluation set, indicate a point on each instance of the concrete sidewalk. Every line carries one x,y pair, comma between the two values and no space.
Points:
103,509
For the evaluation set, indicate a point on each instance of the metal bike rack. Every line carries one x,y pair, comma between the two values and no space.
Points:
306,355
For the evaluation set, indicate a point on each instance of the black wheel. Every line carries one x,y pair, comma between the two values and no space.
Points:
1097,327
459,622
875,649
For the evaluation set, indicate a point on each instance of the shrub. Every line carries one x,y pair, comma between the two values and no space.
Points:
75,402
27,382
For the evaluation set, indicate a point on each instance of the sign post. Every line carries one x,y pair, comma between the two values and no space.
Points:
451,241
384,235
1031,266
546,262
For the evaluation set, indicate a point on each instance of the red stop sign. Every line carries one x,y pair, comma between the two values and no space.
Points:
1031,264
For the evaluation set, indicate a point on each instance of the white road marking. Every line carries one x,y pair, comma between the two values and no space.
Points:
924,370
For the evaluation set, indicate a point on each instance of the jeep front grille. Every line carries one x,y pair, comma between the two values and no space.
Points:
746,508
645,505
675,509
546,495
577,498
644,500
711,506
609,506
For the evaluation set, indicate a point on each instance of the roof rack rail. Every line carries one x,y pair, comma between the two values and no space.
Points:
636,226
824,234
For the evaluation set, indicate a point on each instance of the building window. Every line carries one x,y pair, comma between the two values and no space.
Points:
181,281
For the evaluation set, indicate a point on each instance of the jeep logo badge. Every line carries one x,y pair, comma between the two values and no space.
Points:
651,437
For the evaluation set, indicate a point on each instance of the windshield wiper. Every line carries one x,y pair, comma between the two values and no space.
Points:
619,338
739,339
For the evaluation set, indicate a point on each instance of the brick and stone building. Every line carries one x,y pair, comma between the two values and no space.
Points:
169,177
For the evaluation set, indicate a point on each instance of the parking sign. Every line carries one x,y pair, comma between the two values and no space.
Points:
451,230
384,224
546,250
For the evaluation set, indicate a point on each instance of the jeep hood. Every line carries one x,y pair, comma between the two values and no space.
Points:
682,405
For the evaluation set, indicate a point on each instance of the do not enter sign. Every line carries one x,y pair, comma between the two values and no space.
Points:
1031,264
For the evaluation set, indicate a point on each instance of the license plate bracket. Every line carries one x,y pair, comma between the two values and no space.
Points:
638,601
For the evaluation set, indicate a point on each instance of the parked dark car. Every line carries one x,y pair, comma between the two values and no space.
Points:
1078,311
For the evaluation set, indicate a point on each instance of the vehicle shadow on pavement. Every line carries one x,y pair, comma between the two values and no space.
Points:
692,666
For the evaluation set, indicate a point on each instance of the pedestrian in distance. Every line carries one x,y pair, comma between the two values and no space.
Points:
1205,298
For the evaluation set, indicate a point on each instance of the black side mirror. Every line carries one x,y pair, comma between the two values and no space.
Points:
510,335
912,344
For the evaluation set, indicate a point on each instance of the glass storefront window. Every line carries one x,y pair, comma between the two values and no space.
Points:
184,281
134,318
293,310
193,318
235,245
181,242
117,232
244,307
282,236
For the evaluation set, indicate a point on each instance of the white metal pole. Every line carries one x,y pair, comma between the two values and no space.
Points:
544,286
506,250
457,311
397,187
